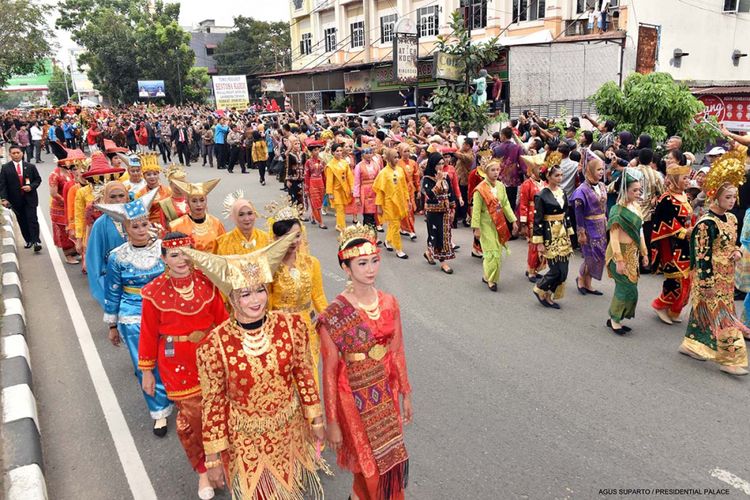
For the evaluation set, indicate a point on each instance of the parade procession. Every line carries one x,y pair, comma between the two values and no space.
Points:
566,267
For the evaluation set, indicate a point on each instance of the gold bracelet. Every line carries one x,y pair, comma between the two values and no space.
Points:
212,464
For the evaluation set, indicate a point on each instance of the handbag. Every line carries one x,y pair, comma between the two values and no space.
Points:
742,271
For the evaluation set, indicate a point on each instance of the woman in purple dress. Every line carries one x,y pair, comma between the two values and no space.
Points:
589,203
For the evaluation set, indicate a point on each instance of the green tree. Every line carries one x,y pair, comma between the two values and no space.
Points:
655,104
195,88
129,40
452,103
23,38
254,47
58,93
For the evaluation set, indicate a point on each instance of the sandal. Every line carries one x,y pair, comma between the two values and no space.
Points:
429,259
446,269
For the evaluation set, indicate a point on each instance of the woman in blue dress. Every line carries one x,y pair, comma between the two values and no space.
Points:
129,267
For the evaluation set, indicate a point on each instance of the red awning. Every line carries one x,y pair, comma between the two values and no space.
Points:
211,46
743,89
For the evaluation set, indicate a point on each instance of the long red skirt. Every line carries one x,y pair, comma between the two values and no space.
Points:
61,238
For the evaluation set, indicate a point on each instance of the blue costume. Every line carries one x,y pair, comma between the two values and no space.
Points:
105,236
129,268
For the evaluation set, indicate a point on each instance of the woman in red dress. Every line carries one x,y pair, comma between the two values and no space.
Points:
68,160
315,184
364,373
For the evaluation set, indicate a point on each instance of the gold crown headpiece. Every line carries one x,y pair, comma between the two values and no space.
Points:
485,156
231,199
726,169
679,170
196,188
358,232
149,162
175,172
284,209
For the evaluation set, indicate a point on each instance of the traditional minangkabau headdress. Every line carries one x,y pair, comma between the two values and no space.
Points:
363,249
175,172
535,162
235,272
129,160
284,209
150,162
484,156
232,200
136,209
196,188
726,169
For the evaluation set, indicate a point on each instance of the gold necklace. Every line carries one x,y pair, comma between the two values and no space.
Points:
201,228
371,310
255,344
186,292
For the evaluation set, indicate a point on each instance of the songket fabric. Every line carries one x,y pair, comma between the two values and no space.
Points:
392,194
439,200
340,185
129,269
84,198
552,226
411,170
177,315
106,235
625,298
315,186
299,290
589,204
670,251
364,178
255,409
171,209
235,243
204,233
364,372
492,214
57,181
535,262
713,329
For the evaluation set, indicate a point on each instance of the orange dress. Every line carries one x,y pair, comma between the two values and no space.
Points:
155,212
364,371
204,233
255,408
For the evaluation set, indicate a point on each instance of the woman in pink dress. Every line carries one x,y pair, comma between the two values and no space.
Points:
352,208
364,196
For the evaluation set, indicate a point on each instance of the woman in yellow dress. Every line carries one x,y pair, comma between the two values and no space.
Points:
298,283
392,199
339,185
245,237
198,223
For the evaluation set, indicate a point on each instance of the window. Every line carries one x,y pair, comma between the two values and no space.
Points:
387,27
329,35
730,5
358,34
584,5
297,4
427,21
305,44
528,10
475,13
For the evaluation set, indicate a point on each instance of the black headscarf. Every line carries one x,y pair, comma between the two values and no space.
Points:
430,170
645,141
626,139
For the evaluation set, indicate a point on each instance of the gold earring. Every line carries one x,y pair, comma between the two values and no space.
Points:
349,286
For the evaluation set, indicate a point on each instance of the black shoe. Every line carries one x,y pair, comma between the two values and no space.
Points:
231,171
618,331
541,300
474,254
531,278
262,183
28,245
493,287
456,247
594,292
554,305
581,290
37,247
160,431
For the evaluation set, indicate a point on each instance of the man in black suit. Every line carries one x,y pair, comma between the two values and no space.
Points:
181,139
19,181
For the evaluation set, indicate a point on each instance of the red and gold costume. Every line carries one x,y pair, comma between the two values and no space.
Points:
411,170
529,189
175,206
670,251
364,372
315,184
58,179
156,214
258,388
177,313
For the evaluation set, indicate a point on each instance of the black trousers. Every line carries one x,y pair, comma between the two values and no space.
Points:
166,152
27,222
556,276
234,154
462,211
512,193
262,169
295,192
222,155
183,153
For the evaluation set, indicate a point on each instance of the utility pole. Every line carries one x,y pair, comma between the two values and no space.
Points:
468,20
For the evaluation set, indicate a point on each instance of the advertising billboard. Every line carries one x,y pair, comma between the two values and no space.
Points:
230,91
150,89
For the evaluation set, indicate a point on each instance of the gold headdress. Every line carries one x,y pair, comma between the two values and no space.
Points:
150,162
175,172
358,232
196,188
726,169
485,155
231,200
679,170
284,209
235,272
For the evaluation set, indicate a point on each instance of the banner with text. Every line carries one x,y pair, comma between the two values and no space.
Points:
230,91
150,88
405,53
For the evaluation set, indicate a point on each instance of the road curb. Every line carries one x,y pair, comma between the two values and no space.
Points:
23,465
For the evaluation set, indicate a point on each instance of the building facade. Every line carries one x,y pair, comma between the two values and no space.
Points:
204,40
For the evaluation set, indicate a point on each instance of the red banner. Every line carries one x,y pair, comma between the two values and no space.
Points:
732,111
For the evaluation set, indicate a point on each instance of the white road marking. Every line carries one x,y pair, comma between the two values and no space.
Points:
135,471
731,480
26,483
19,403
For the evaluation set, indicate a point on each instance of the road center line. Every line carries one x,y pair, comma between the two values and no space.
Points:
135,471
731,480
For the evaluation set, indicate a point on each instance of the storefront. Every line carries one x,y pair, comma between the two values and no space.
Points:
730,106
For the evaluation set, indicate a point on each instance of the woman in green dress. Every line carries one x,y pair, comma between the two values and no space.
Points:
714,332
491,214
626,242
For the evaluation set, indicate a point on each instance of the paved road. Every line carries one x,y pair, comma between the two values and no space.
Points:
511,400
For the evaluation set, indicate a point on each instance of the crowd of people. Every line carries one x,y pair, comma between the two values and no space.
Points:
230,327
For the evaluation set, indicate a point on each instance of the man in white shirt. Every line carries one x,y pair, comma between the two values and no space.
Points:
36,141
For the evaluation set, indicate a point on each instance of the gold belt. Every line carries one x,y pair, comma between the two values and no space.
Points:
194,337
131,289
594,217
376,352
558,217
254,424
